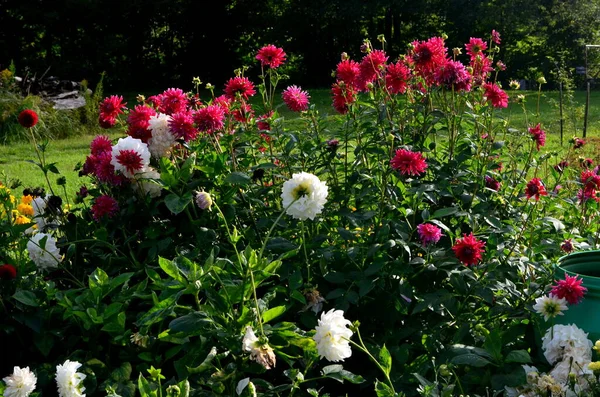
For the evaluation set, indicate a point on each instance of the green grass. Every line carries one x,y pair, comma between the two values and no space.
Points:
67,153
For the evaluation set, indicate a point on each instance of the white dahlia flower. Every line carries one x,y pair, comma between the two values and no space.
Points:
20,384
550,306
43,251
568,341
304,196
162,139
333,336
130,156
145,183
69,381
262,353
39,207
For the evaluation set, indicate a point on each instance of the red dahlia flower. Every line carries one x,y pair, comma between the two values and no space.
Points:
243,113
348,72
491,183
210,119
453,74
181,126
538,135
295,99
535,188
428,233
570,288
578,143
8,272
271,56
139,122
111,108
100,144
172,101
104,206
427,56
496,37
567,246
343,96
397,74
475,47
239,86
495,95
28,118
468,249
371,67
409,163
560,167
264,122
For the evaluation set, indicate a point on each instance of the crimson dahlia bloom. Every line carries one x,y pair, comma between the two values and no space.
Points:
567,246
348,72
492,183
371,67
343,96
427,56
181,126
496,37
110,108
570,288
295,99
104,206
409,163
475,47
210,118
468,249
428,233
538,135
495,95
8,272
271,56
239,86
560,167
578,143
397,74
535,188
28,118
139,122
263,122
223,102
243,113
100,144
172,101
453,74
590,180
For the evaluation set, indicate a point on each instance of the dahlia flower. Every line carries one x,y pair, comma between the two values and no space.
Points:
427,56
8,272
453,74
28,118
475,47
535,188
172,101
130,156
538,135
397,74
100,144
468,249
110,109
239,86
492,183
343,96
347,71
182,126
44,254
409,163
162,140
371,67
68,380
304,196
210,118
243,112
570,288
495,37
104,206
550,306
262,353
271,56
566,340
495,95
295,99
203,200
428,233
20,384
567,246
333,336
139,121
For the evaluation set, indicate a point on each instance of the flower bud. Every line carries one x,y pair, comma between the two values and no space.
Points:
203,200
514,84
456,51
541,80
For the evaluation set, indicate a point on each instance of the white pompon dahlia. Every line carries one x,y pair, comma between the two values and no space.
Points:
20,384
130,156
162,139
43,251
68,380
333,336
304,196
566,340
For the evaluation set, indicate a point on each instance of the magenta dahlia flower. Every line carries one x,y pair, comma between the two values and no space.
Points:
271,56
409,163
295,99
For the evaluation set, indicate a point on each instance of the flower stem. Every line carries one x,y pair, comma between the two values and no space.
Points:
363,348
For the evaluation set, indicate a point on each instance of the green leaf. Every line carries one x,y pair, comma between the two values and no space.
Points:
171,269
445,212
385,359
176,204
206,364
383,390
98,280
338,373
493,344
518,356
191,323
146,390
26,297
273,313
238,178
472,360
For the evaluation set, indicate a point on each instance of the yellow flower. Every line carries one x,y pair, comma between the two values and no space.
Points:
25,209
27,199
597,346
594,366
22,220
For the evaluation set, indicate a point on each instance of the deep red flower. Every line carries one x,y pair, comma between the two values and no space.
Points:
263,122
139,122
295,99
409,163
243,113
172,101
495,37
8,272
223,102
495,95
348,72
453,74
428,233
111,107
480,67
104,206
475,47
371,67
535,188
567,246
560,167
28,118
396,77
130,160
587,163
492,183
570,288
343,96
427,56
181,125
271,56
578,143
590,180
100,144
210,118
538,135
468,249
239,86
106,123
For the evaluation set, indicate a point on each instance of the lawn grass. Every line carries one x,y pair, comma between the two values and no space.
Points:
67,153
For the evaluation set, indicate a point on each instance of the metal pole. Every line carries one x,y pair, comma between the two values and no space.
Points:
562,121
587,97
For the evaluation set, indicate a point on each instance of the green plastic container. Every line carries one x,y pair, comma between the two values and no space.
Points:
586,314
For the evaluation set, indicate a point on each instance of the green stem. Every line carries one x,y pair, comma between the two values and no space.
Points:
305,253
363,348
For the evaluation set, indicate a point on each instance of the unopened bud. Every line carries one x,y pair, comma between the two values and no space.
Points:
203,200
